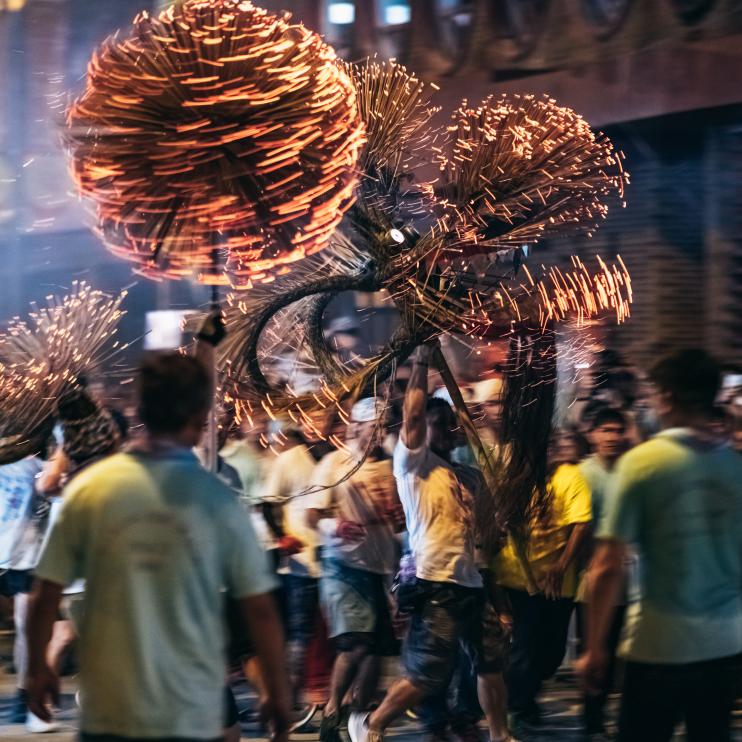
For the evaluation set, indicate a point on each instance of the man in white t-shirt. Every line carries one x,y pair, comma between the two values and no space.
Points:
288,489
451,609
358,515
161,544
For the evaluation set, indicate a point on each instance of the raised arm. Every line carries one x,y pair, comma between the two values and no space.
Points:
414,429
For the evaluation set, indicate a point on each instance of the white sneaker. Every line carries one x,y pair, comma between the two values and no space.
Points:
305,716
34,725
358,730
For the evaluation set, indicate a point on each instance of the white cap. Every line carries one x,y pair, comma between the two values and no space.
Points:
367,410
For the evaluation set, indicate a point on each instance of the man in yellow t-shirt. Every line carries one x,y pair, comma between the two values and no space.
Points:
541,621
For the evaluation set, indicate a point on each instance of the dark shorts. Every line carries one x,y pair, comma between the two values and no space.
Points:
356,608
447,617
15,581
302,606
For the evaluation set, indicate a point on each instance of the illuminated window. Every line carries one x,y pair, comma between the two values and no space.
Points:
12,5
395,14
392,12
341,14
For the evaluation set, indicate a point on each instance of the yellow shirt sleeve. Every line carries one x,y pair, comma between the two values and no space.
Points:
571,492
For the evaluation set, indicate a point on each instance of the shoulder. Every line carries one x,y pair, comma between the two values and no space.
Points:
384,465
378,469
104,471
568,476
333,461
285,456
336,457
587,465
728,467
654,455
408,459
212,485
28,466
650,448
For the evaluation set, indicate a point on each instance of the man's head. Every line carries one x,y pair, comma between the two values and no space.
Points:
488,393
686,383
314,426
443,434
564,448
364,423
174,397
607,434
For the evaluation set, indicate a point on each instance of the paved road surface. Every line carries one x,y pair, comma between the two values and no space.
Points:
561,707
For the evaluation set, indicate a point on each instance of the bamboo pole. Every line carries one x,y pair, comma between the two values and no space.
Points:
212,431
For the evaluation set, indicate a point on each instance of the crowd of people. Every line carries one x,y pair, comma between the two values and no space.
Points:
309,566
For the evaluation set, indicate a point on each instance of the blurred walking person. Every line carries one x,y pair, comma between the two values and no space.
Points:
21,536
289,480
608,438
450,609
554,543
678,499
358,516
158,539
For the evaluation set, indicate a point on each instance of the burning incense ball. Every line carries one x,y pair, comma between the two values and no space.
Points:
519,168
44,356
215,133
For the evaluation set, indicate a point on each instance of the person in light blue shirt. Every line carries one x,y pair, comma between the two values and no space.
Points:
161,543
678,499
608,440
